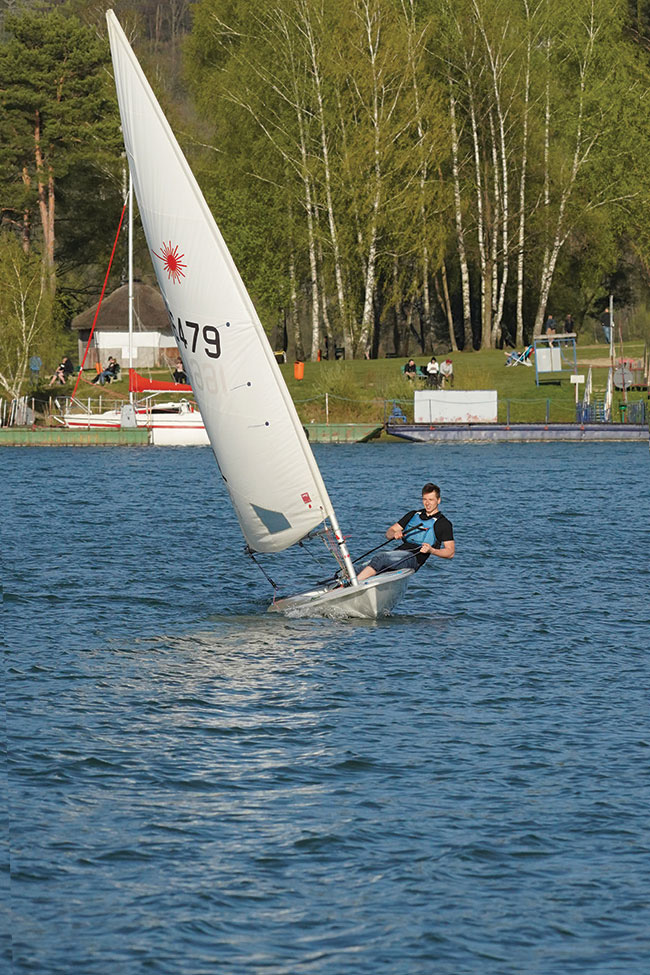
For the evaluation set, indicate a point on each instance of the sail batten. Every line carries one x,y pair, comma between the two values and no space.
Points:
257,438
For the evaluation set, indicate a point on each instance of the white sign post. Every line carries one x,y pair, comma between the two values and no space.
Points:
576,380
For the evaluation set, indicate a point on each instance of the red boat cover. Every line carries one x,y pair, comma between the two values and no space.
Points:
140,384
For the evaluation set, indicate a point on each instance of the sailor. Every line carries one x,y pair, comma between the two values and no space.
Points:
423,533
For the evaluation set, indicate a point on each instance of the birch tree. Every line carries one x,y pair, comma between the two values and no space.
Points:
534,87
254,65
376,86
582,59
25,312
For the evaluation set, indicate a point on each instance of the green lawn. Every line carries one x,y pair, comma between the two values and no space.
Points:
364,390
358,389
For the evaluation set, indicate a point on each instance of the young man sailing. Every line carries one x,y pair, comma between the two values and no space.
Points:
423,533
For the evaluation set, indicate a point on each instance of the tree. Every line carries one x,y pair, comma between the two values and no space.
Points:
330,115
57,121
25,312
534,88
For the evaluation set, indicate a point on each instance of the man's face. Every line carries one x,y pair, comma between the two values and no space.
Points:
430,503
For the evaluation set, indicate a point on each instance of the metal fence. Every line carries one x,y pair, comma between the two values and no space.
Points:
17,413
597,412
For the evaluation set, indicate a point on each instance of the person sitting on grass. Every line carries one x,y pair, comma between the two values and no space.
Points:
433,373
179,373
110,374
410,370
447,372
63,372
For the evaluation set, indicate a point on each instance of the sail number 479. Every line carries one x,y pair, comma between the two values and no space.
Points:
209,334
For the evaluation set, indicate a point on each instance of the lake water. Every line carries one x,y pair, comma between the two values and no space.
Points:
195,786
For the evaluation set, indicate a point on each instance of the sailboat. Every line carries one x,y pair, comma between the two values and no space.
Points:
259,444
171,423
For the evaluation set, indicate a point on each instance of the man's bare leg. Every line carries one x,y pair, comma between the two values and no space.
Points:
366,573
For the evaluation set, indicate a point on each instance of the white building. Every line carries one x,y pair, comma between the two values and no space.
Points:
153,342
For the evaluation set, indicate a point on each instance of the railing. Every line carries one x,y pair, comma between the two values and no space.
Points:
609,396
18,413
634,412
589,385
91,406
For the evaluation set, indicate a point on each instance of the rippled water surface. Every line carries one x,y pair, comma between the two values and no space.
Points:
195,786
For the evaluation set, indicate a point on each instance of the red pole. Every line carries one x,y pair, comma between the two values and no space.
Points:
108,271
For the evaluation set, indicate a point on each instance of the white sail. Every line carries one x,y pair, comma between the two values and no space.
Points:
258,441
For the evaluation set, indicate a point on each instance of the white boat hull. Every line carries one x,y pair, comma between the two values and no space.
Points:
371,599
170,434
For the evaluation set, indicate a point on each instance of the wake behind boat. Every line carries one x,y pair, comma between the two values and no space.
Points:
263,454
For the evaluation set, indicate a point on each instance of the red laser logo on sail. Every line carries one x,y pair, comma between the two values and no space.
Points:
172,261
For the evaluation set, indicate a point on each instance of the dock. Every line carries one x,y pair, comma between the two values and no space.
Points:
62,437
342,432
520,432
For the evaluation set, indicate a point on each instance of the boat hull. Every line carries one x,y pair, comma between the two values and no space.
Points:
184,429
371,599
178,435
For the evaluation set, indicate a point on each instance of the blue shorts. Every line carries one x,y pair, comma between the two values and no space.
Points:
397,559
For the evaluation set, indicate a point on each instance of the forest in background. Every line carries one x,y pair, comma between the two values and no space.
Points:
391,176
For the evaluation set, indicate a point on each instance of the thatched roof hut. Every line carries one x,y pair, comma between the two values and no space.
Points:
149,312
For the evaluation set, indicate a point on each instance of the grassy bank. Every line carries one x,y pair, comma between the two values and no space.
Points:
360,390
365,390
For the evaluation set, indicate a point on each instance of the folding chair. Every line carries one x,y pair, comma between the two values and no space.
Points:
519,358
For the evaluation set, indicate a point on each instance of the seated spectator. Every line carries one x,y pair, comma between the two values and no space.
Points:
58,377
63,371
179,372
410,370
433,372
447,372
110,374
67,367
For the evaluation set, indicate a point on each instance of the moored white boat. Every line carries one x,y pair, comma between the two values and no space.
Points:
172,423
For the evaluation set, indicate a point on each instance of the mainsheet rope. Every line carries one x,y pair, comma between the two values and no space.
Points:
101,297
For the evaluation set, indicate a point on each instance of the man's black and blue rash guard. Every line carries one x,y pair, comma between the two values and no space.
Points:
418,528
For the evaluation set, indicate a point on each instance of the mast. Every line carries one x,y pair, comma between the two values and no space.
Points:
131,393
347,561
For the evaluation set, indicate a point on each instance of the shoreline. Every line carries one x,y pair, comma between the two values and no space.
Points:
391,432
